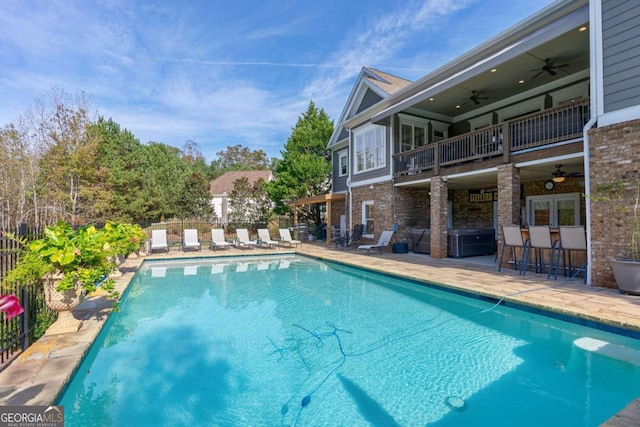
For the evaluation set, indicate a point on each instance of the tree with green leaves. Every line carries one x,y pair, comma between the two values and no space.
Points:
195,200
236,158
249,204
305,169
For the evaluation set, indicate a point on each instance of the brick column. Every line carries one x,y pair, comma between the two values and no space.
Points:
508,198
439,200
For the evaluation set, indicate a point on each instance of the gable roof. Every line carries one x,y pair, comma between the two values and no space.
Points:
387,82
224,183
371,87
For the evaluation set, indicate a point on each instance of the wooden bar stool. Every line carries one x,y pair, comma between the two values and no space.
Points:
512,238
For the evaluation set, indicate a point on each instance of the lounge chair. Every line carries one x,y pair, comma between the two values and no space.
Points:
265,238
159,241
383,242
217,240
243,240
285,238
190,240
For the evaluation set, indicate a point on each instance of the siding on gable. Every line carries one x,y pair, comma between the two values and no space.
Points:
339,182
370,98
621,53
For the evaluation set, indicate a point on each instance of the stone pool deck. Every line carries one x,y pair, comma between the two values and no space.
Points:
38,375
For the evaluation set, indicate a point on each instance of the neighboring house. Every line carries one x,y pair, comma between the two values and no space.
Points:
477,143
222,186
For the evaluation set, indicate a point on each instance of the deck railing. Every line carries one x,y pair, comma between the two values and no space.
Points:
539,129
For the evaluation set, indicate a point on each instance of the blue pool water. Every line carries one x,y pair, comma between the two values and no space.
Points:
293,341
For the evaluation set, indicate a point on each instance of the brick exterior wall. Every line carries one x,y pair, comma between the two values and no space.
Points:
382,195
614,157
412,210
470,215
439,200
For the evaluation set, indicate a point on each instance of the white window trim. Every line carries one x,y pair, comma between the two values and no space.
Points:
415,122
554,198
358,132
364,210
341,154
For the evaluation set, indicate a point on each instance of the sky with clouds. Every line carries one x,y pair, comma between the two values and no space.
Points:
222,73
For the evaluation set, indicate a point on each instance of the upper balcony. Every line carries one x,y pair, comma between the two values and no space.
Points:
534,131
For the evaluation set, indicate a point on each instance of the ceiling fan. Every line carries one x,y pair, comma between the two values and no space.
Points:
548,67
559,175
475,98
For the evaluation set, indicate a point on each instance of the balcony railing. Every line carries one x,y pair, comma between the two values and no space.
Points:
539,129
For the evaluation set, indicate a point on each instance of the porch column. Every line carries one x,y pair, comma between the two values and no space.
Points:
329,222
508,197
439,199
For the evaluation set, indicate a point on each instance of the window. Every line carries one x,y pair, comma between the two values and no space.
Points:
367,218
554,210
413,133
370,148
343,163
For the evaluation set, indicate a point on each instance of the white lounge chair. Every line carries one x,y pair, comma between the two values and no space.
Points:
217,239
159,241
383,242
190,240
285,238
243,240
265,238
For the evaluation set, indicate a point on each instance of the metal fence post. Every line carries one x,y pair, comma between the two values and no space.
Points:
24,319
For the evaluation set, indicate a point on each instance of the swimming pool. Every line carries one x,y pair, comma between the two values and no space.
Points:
294,341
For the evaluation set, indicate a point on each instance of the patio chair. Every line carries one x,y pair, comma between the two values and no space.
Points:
190,240
572,238
355,236
243,240
159,241
285,238
383,242
512,238
539,239
265,238
217,240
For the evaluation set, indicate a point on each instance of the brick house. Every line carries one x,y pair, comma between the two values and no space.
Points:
222,186
516,131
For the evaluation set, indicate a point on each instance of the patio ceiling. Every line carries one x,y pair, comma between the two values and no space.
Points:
515,76
540,170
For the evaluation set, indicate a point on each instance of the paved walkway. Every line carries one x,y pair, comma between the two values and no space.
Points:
38,375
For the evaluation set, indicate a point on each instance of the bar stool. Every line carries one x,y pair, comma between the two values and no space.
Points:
539,239
572,239
512,238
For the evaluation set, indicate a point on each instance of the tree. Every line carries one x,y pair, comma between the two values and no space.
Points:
69,170
195,200
249,204
305,169
238,157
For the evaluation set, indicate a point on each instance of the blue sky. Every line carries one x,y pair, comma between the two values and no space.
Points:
222,73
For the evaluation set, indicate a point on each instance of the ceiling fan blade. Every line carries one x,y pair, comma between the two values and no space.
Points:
561,66
537,74
550,71
475,100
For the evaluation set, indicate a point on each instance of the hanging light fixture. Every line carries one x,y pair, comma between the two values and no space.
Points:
559,175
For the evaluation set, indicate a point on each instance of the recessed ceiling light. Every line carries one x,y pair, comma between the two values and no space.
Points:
583,28
457,106
493,70
521,81
430,99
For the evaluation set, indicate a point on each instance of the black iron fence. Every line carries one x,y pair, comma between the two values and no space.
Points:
17,334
